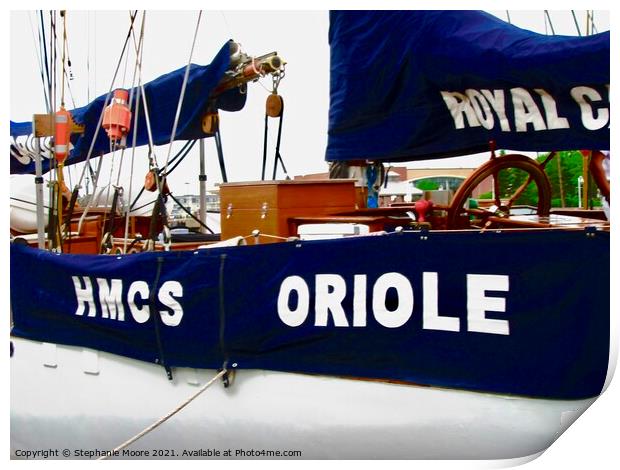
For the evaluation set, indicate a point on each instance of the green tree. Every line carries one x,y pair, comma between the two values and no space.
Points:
426,185
570,164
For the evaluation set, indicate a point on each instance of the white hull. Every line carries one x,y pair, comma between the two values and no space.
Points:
96,401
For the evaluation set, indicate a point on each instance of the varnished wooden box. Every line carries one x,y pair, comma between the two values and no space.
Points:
267,205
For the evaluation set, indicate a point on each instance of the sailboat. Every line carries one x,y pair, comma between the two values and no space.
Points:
462,330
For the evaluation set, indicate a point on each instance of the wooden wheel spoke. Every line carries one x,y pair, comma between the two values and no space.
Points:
492,168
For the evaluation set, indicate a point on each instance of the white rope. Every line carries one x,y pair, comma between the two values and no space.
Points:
165,418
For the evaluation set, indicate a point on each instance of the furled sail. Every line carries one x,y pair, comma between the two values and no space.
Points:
430,84
162,95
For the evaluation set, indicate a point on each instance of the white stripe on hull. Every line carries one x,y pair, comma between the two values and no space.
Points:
87,404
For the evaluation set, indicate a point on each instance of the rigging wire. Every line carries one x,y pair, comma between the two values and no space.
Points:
140,52
113,144
132,91
63,14
88,57
576,22
508,17
180,103
548,18
107,99
133,154
43,41
95,55
37,48
231,35
66,66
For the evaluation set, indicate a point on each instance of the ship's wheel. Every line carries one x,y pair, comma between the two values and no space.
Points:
459,211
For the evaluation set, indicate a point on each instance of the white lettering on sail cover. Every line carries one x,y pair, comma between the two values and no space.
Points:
481,108
475,108
297,316
478,303
112,298
430,313
359,300
404,293
84,296
460,107
141,289
526,111
167,294
392,300
551,111
585,96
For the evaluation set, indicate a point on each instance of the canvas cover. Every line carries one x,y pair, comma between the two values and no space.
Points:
162,96
413,85
518,313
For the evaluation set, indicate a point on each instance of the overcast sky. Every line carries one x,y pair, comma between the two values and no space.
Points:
96,38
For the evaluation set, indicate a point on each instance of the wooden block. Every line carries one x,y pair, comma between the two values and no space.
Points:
267,206
44,125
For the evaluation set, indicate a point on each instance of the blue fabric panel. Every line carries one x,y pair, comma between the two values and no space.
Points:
20,128
557,308
162,96
388,69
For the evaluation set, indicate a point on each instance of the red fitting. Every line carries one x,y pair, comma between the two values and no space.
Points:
117,116
423,208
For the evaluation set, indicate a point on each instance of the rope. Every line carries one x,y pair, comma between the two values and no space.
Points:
107,99
42,39
53,57
576,22
159,172
37,48
88,57
220,154
105,104
548,17
180,103
278,157
139,54
164,418
262,176
275,237
157,318
222,310
27,202
133,154
189,213
143,206
63,14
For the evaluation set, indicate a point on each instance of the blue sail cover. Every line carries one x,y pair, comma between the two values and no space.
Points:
519,313
162,96
413,85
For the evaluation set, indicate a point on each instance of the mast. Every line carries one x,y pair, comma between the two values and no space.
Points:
202,179
38,181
